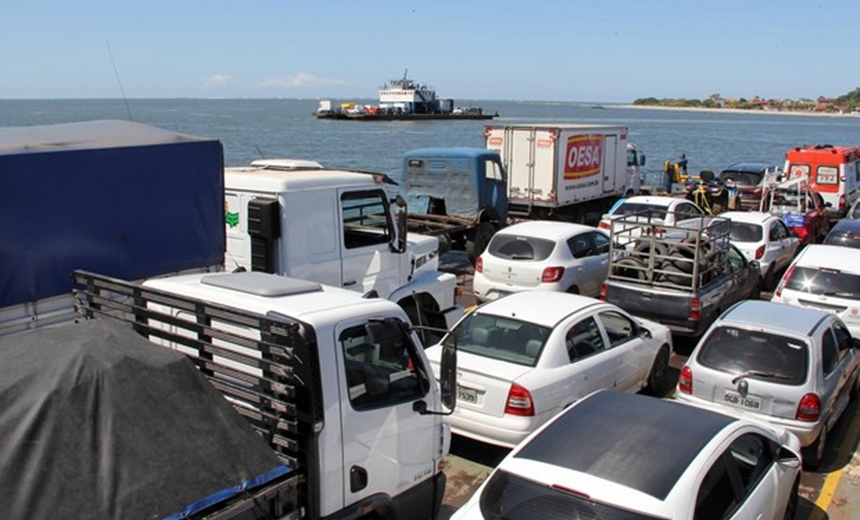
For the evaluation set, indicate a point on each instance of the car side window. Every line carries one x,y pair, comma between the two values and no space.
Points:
584,339
781,229
736,260
580,245
829,352
843,339
733,477
777,231
619,328
601,243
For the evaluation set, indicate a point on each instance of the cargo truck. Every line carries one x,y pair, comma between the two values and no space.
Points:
565,171
298,219
334,385
121,198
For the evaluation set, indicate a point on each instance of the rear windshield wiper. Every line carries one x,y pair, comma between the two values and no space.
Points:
760,374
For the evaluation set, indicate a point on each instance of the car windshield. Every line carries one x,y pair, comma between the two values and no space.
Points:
745,232
498,337
516,247
510,497
640,208
827,282
741,178
755,354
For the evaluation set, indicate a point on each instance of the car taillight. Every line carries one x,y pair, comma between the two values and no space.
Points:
695,310
842,202
603,225
603,289
519,402
785,278
551,274
479,265
759,252
685,380
809,408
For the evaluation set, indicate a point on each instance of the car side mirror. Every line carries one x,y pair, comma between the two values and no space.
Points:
787,458
644,333
755,264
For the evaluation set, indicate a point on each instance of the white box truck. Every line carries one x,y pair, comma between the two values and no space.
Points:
566,171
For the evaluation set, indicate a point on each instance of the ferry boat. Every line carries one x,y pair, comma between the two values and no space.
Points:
399,100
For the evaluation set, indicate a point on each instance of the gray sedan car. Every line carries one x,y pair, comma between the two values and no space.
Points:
794,367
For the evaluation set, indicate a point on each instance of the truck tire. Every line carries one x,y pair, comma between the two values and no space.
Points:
630,267
483,234
676,276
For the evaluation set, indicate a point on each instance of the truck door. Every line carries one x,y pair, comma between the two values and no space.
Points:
610,165
387,446
368,264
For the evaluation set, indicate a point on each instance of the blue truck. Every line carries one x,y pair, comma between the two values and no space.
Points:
456,194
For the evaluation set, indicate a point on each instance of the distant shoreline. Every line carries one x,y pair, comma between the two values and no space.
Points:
734,110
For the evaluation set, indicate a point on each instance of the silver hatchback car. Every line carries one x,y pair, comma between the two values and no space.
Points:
793,367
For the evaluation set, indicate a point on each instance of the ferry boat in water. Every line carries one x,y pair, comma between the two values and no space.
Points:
399,100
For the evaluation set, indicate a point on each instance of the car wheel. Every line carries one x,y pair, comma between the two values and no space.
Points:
573,289
767,281
659,376
791,506
813,453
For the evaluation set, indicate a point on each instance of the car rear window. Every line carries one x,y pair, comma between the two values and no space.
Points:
745,232
515,247
638,208
827,282
742,178
759,355
511,497
498,337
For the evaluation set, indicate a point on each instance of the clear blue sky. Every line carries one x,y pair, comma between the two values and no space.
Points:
553,50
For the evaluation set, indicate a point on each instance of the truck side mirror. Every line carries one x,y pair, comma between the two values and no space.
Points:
641,159
400,223
448,376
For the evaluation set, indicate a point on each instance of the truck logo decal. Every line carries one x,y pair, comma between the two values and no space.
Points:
232,219
584,153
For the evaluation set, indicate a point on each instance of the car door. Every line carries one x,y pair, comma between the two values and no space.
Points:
782,245
628,350
744,282
837,364
743,482
591,263
589,367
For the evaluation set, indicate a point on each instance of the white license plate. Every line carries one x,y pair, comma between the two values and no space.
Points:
735,399
466,395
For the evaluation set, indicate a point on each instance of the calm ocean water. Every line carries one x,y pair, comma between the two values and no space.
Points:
254,128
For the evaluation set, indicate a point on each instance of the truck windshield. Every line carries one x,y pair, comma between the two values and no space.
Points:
757,354
498,337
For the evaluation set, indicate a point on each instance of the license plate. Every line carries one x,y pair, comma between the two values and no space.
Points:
735,399
466,395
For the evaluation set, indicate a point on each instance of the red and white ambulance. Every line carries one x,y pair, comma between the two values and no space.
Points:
833,171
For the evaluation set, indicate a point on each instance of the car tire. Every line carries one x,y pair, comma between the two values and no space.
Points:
658,377
768,279
573,289
813,453
483,234
793,498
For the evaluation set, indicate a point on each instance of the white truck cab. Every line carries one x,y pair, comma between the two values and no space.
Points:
337,227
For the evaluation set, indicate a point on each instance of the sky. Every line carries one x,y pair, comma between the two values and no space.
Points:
611,51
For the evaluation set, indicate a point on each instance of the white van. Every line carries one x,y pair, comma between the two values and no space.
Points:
824,277
833,171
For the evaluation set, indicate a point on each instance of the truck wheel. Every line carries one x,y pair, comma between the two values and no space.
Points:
483,234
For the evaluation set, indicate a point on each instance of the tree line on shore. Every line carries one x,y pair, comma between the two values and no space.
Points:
849,102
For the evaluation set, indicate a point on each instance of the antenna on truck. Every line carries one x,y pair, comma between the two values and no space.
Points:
122,90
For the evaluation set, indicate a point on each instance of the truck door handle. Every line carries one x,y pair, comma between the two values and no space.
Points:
351,282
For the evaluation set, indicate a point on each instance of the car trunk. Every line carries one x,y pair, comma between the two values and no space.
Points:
483,384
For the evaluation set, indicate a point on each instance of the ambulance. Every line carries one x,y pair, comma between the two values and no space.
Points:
833,171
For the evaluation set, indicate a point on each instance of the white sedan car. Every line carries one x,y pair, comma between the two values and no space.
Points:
545,256
633,457
765,238
523,358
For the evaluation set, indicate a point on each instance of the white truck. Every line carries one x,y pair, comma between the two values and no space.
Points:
567,171
336,227
337,384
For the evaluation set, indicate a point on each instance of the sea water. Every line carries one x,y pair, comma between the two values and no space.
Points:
285,128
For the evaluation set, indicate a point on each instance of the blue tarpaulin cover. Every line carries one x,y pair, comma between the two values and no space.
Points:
97,423
114,197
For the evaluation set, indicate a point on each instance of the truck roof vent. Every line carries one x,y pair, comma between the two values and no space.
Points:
261,284
287,164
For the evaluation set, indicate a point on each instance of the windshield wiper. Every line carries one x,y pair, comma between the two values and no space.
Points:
760,373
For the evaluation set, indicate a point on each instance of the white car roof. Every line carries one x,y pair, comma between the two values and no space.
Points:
659,200
751,217
764,314
549,229
539,307
834,257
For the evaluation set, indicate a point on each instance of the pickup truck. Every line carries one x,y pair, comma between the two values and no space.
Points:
683,275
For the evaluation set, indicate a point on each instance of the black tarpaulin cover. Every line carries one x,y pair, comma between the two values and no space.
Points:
98,423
